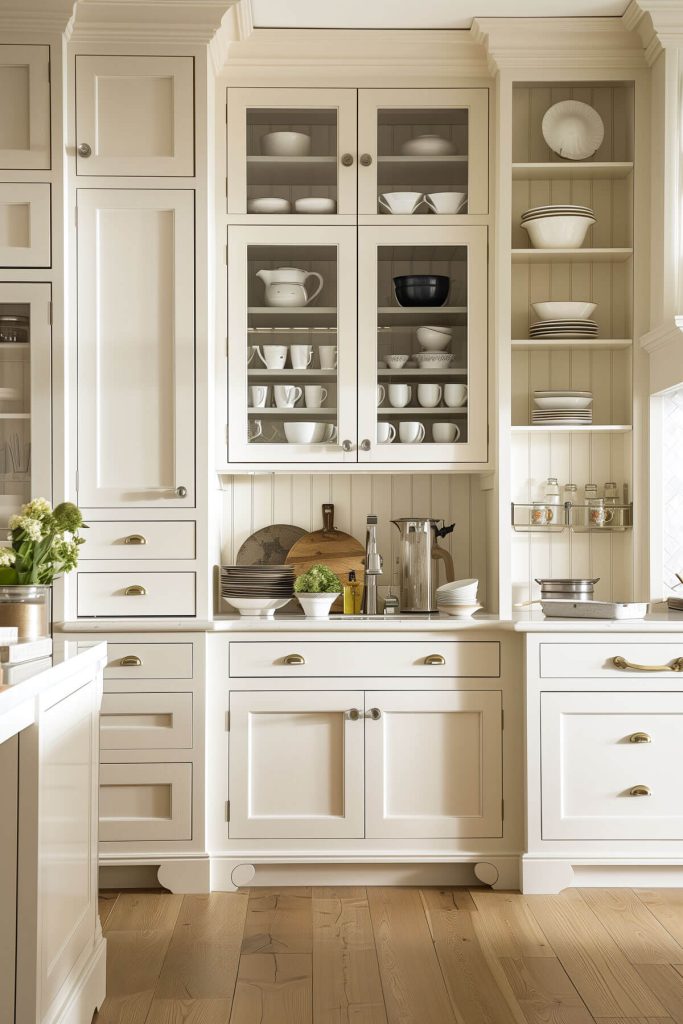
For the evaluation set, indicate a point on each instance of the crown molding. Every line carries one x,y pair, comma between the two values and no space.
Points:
659,23
194,22
664,345
236,25
36,17
664,336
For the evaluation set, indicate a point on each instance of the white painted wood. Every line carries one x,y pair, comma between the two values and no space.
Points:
24,107
9,765
296,764
595,659
590,766
142,802
157,660
136,114
433,764
135,348
136,594
145,721
122,540
24,224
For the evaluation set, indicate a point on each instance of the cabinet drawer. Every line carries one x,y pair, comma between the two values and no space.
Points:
142,539
134,594
145,802
145,721
607,765
365,658
565,661
157,661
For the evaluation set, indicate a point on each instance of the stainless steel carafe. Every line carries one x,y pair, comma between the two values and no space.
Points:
416,567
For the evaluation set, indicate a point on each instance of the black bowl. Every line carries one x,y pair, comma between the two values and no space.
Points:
422,289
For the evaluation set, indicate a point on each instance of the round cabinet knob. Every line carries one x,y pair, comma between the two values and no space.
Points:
366,159
353,714
365,445
346,446
374,713
181,492
640,737
347,159
84,150
640,791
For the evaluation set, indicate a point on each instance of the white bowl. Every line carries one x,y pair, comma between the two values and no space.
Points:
564,310
558,232
446,202
433,360
396,362
427,145
458,586
261,607
431,340
268,205
301,431
315,204
563,403
286,144
463,612
400,202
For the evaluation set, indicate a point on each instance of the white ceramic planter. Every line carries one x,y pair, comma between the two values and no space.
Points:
317,606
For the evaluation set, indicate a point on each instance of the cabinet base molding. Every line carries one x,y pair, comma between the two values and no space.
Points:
548,876
86,992
184,875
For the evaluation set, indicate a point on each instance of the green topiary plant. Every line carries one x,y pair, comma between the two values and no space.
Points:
318,580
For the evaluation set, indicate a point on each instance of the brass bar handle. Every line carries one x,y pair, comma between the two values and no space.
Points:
640,737
374,713
435,659
295,659
673,666
354,714
131,661
640,791
135,591
135,538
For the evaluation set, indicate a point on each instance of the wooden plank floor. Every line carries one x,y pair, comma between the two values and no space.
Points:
394,956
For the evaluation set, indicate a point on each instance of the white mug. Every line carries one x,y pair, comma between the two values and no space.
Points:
255,429
411,432
429,395
301,356
328,357
286,395
258,396
314,396
324,433
273,356
386,432
380,393
445,433
455,395
400,395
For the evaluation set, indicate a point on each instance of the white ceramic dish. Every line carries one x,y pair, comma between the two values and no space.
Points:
396,362
428,145
556,211
573,129
269,204
257,607
400,202
558,232
564,310
9,394
431,340
548,393
433,360
462,612
563,403
446,202
286,144
315,204
593,609
458,586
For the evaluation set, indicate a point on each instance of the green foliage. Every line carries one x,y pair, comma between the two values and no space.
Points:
44,543
318,580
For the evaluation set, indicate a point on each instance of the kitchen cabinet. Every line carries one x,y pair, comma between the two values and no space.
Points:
24,107
136,388
134,115
24,224
145,802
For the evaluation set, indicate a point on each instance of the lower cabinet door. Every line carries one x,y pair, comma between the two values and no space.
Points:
296,765
433,764
145,802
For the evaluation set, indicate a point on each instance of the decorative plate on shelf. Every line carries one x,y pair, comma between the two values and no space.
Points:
573,129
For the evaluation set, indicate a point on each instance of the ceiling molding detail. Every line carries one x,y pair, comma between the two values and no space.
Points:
36,17
194,22
659,23
236,25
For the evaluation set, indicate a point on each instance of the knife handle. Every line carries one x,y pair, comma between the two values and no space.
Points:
328,518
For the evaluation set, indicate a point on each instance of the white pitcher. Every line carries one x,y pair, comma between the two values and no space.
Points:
286,286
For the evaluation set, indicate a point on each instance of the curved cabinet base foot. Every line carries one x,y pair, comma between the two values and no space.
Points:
546,877
186,876
499,873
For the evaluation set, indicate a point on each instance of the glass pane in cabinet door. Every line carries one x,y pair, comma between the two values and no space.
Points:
422,339
292,344
15,407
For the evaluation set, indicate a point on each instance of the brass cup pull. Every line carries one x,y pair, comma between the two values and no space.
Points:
640,791
366,159
640,737
435,659
295,659
374,713
135,538
131,661
672,666
347,159
135,591
354,714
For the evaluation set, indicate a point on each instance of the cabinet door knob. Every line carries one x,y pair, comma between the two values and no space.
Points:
131,661
135,538
640,737
135,591
365,445
640,791
295,659
347,159
366,159
672,666
346,446
181,492
435,659
374,713
354,714
84,150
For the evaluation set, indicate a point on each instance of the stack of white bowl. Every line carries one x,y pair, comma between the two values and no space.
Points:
257,590
557,227
458,598
563,320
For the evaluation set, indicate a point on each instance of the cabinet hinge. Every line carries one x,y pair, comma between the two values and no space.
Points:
227,810
76,216
77,481
226,254
227,721
226,188
226,113
502,718
502,810
49,72
49,313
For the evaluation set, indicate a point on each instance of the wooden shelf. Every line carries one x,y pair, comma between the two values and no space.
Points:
571,343
410,372
571,255
297,411
416,412
292,170
12,346
420,170
15,415
571,169
296,376
292,310
416,316
584,428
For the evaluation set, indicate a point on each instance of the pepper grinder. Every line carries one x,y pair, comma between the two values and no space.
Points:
373,567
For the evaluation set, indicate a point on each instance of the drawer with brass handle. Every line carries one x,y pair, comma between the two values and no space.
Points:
128,594
141,661
616,658
139,539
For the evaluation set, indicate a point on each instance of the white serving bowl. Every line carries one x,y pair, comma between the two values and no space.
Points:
427,145
315,204
286,144
558,232
561,402
301,431
268,204
446,202
433,360
396,362
458,586
400,202
260,607
461,612
432,340
564,310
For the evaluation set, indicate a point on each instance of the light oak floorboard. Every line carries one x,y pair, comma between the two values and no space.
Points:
346,982
633,1020
278,921
451,899
144,911
414,989
189,1011
509,926
667,906
105,905
544,992
273,988
639,935
134,962
668,984
600,972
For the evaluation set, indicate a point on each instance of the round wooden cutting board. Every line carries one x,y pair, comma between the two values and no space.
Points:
334,548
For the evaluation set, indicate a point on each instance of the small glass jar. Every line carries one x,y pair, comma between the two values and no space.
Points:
570,494
590,493
611,493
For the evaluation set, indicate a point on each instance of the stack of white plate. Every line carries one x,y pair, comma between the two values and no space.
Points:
458,598
563,329
558,226
257,589
571,408
556,210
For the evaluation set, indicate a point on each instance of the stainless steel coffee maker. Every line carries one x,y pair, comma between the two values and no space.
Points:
419,558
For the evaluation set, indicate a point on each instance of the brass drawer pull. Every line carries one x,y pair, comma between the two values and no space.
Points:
640,737
673,666
435,659
135,538
131,661
135,591
640,791
295,659
354,714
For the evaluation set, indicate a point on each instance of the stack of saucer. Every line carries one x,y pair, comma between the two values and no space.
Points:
570,408
257,589
458,598
563,329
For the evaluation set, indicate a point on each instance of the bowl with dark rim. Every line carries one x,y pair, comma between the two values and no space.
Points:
421,289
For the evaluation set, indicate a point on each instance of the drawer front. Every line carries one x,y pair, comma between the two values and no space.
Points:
608,765
156,661
135,594
139,539
145,802
566,661
145,721
394,658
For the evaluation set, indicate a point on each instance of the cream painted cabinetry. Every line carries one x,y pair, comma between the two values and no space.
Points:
24,107
24,224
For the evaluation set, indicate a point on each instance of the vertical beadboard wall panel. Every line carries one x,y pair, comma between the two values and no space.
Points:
613,103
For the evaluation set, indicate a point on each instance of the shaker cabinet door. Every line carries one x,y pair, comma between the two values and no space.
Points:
135,348
24,107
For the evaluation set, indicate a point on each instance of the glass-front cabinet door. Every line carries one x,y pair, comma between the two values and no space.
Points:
292,152
422,344
291,344
423,152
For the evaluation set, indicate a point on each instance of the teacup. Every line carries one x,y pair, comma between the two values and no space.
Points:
324,433
301,356
327,354
411,432
400,395
380,394
286,395
396,362
445,433
258,396
445,202
314,396
455,395
301,432
386,432
272,356
429,395
400,202
255,429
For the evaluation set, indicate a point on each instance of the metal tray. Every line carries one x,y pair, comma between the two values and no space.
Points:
593,610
